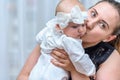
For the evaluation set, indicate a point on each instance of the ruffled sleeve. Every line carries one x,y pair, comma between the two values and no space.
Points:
40,36
80,60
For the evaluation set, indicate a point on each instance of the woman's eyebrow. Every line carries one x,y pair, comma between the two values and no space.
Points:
95,11
105,22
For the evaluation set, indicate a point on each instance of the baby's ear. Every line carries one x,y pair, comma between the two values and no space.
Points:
110,38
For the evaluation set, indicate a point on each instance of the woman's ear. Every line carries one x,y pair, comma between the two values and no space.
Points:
110,38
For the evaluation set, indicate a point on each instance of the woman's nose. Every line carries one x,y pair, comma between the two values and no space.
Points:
90,23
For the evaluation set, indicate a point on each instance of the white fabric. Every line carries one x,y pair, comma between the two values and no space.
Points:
45,70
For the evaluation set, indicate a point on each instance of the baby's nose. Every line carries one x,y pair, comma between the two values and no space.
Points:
82,28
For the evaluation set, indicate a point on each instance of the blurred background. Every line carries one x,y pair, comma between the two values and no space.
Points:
20,21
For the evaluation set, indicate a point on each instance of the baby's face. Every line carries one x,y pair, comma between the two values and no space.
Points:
75,30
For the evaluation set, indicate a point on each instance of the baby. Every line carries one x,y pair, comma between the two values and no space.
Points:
63,32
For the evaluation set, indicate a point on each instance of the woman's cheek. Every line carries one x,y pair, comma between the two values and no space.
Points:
93,36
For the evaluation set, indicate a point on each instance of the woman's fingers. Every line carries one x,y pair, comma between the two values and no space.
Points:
59,54
57,63
61,59
66,64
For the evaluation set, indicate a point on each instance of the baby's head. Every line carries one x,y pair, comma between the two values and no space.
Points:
70,18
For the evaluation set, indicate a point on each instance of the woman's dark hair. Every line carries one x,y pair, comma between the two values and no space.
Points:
116,41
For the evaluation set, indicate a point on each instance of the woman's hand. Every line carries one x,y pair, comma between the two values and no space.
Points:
61,59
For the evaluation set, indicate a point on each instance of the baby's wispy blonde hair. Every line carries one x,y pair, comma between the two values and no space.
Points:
67,5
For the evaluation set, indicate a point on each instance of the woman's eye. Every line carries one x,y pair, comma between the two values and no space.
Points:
102,25
93,14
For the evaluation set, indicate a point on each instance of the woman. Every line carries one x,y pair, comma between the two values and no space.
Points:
102,27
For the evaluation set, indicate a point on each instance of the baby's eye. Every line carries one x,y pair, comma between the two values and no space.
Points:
74,26
83,25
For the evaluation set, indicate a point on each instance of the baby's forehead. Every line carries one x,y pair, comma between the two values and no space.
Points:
73,24
67,5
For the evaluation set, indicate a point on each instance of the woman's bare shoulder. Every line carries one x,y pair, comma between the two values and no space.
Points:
110,69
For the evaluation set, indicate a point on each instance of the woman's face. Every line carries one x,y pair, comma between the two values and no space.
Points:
102,19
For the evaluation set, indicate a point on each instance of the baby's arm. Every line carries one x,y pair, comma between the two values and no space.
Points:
80,60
